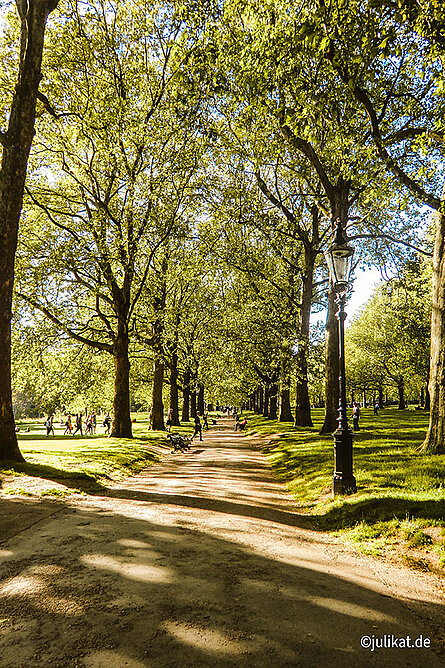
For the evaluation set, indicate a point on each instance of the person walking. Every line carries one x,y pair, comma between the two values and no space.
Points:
78,424
68,425
169,420
49,426
198,426
356,414
88,425
107,424
205,419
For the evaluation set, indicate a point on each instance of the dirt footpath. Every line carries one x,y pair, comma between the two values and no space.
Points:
203,561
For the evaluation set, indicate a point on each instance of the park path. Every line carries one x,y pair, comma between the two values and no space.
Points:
203,561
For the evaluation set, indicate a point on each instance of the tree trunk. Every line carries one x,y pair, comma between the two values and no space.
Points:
174,399
16,144
121,425
200,399
273,402
332,369
193,403
266,403
260,399
256,402
157,407
401,393
435,438
303,403
285,409
185,417
381,399
427,399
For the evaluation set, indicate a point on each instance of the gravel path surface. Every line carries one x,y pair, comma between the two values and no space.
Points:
203,561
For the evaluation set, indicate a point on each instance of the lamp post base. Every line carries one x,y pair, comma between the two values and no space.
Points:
342,485
343,481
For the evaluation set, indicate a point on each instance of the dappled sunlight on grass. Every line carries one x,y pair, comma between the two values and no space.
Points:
394,481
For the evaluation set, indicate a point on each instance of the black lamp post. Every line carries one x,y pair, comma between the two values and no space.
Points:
339,259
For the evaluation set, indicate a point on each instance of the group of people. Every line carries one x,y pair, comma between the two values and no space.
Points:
74,425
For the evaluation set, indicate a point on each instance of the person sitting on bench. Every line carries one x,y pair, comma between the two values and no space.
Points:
240,426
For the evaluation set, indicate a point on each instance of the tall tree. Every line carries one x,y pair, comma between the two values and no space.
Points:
390,58
122,154
16,144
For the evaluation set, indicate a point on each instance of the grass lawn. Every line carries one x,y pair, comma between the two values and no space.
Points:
80,463
400,501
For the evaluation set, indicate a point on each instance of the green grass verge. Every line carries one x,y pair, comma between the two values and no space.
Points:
396,485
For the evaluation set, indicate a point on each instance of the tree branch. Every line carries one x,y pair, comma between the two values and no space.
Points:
99,345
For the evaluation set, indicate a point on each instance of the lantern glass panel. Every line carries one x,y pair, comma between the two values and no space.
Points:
342,262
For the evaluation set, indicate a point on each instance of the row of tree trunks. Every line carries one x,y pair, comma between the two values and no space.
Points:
192,401
264,401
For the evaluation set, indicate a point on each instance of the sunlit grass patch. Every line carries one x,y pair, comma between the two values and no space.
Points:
396,484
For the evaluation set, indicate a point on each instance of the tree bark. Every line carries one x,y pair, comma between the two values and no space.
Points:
435,438
255,401
273,402
260,399
157,408
332,369
200,399
174,398
303,404
427,399
193,403
381,399
401,393
121,426
285,409
266,402
185,416
16,142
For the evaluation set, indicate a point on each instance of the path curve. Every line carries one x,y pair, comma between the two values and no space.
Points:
203,561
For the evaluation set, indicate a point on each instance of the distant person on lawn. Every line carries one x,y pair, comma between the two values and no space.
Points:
68,425
356,415
49,426
107,424
169,421
78,424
